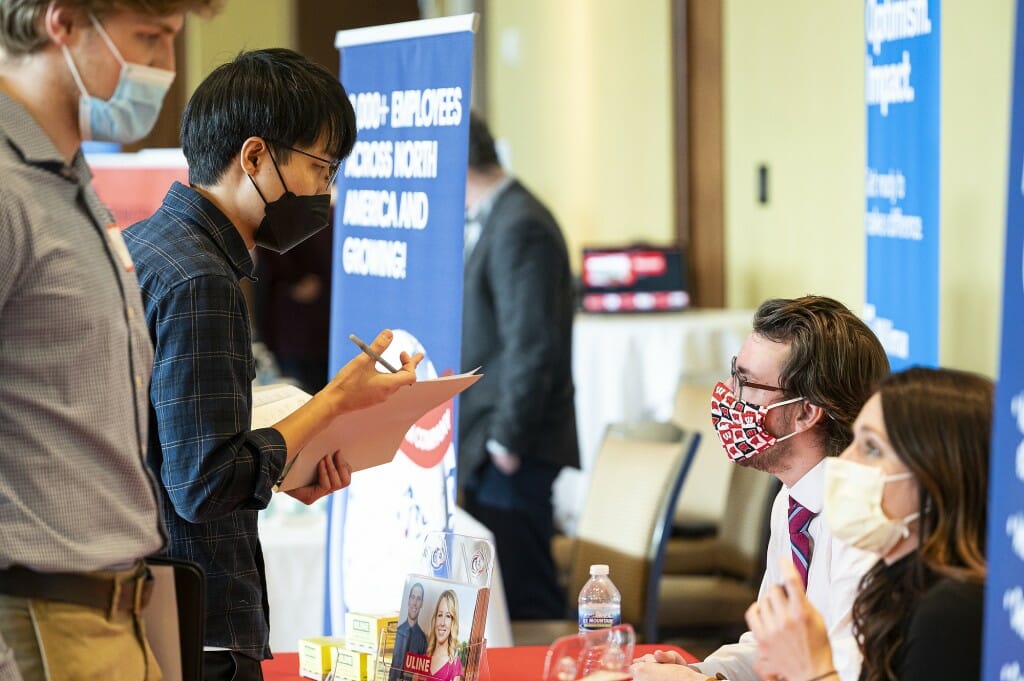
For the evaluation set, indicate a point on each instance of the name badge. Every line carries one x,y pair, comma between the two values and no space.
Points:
119,247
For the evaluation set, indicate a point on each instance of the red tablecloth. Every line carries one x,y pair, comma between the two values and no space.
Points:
523,663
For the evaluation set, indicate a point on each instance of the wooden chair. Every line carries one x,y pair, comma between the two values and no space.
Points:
625,522
702,500
737,545
708,583
714,563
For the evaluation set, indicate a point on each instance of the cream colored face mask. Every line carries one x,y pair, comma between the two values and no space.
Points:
853,506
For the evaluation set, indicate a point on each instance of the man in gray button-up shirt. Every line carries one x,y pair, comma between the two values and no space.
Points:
78,509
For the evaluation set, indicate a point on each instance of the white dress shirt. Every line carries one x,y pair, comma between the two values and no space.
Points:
832,582
477,215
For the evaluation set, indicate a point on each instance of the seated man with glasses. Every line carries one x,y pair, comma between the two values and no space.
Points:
796,387
263,136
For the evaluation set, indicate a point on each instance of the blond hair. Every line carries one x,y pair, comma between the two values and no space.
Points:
453,634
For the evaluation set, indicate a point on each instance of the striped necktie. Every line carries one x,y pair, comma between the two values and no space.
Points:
799,538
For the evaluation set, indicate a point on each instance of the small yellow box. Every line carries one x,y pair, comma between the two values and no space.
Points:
326,676
362,631
352,665
316,655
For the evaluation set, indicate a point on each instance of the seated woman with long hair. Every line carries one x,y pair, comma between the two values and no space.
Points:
912,488
443,640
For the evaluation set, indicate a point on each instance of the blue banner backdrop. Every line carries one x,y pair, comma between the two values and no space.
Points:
1004,596
398,264
901,178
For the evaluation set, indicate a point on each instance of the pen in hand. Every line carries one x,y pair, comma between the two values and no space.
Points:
369,351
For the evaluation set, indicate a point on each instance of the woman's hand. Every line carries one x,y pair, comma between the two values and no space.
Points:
792,641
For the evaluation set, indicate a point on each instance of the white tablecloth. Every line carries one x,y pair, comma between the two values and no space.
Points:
628,367
294,540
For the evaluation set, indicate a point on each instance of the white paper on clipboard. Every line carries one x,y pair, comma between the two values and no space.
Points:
367,437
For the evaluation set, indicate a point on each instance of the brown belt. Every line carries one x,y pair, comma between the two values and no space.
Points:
111,592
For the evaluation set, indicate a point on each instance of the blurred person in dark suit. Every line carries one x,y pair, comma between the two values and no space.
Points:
293,308
517,427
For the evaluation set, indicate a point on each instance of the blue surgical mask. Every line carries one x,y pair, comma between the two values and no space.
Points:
131,111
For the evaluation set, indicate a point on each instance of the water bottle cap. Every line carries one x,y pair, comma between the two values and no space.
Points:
598,570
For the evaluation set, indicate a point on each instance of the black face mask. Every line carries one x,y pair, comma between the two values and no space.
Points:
291,219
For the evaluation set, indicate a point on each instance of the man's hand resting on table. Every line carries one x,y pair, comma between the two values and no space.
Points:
664,665
662,656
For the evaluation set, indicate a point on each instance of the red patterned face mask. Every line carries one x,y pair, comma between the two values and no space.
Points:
740,425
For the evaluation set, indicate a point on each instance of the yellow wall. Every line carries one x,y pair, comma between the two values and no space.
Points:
794,99
241,25
581,92
586,112
977,60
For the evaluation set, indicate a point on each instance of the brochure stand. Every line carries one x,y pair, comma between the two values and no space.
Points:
601,655
453,575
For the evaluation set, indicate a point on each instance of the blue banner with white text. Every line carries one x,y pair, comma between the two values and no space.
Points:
1004,595
398,231
901,178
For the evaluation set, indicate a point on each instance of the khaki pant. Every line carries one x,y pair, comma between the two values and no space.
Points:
53,641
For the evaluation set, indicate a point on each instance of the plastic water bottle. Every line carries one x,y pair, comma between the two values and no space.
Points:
600,604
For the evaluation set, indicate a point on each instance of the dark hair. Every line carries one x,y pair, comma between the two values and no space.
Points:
939,423
835,361
482,152
20,20
275,94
